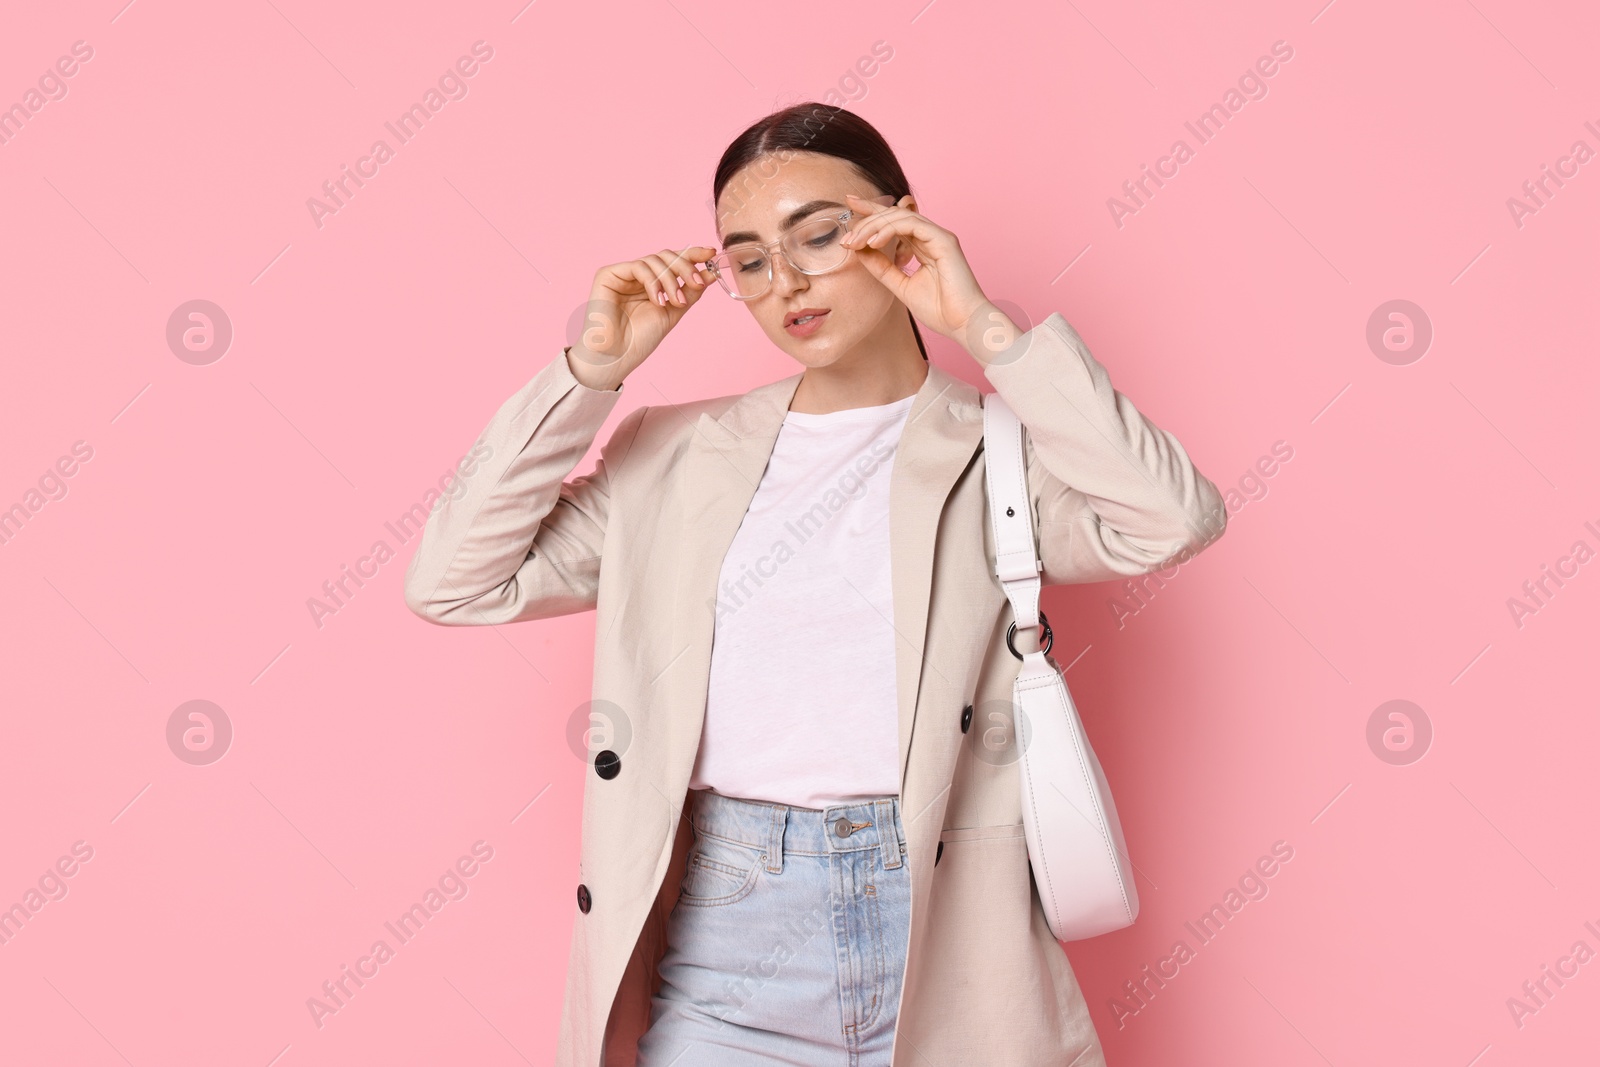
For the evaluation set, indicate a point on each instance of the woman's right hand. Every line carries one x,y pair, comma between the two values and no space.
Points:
632,307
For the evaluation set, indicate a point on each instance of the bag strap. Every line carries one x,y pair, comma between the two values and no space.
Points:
1016,554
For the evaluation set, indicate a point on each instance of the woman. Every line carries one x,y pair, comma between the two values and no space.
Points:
796,849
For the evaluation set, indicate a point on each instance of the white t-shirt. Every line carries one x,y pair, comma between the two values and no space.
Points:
802,706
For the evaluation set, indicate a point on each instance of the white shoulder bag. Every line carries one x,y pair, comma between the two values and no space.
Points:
1075,846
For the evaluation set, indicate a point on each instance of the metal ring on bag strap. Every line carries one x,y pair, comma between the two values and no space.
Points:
1049,638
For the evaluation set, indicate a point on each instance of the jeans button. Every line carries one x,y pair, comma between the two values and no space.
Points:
841,828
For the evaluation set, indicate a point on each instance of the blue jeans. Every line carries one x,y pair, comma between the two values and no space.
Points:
788,941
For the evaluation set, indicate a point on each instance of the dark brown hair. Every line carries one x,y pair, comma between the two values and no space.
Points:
828,130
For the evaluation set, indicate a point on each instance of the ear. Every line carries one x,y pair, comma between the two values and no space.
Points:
897,249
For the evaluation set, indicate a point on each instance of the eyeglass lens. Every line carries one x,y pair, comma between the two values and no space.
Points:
813,246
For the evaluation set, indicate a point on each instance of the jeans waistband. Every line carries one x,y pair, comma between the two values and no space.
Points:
780,829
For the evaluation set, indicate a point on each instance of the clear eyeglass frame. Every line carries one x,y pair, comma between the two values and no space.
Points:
721,265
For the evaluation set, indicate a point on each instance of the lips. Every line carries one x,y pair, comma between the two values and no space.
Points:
793,316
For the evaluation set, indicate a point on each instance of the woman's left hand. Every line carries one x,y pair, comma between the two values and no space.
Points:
943,294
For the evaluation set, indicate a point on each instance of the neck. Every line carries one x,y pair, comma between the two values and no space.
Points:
884,367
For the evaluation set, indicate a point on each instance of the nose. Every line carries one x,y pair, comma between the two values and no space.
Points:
785,279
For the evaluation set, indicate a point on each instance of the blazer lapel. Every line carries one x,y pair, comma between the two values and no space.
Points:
722,468
941,436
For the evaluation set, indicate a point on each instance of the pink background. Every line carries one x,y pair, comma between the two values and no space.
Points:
372,750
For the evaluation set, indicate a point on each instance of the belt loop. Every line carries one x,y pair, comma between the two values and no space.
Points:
780,814
888,835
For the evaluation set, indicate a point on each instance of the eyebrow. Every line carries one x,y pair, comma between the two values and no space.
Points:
747,237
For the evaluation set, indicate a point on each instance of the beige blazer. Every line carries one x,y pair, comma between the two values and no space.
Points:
641,539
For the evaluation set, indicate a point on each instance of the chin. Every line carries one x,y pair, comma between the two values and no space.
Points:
818,352
810,356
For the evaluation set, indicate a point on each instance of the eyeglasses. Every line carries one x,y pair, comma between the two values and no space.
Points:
811,247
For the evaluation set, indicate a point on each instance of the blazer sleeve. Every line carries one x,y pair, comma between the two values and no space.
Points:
519,542
1113,494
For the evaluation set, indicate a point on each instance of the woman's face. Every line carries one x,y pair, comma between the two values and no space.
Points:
757,206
